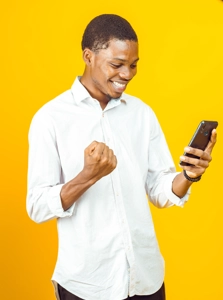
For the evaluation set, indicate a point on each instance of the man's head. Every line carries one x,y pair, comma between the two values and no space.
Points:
110,53
104,28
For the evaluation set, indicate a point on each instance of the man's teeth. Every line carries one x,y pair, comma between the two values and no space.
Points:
119,84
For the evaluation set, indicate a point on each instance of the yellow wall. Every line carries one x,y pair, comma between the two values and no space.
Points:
180,75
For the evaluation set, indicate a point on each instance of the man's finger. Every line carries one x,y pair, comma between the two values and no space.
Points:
100,148
212,141
90,149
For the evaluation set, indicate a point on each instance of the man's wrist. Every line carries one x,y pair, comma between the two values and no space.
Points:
190,178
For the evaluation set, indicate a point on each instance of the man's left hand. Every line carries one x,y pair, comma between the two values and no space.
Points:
202,163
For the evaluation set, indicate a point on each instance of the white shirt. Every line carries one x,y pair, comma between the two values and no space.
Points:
107,244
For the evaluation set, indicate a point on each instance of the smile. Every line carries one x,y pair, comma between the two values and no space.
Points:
120,85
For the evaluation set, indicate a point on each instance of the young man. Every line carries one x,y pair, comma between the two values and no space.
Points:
96,153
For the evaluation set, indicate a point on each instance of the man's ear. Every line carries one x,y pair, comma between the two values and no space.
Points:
87,56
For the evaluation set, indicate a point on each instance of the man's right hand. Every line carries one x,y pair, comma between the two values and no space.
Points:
99,161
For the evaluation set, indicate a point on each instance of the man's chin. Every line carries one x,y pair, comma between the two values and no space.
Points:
115,96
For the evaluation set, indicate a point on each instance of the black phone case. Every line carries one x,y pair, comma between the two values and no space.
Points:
200,138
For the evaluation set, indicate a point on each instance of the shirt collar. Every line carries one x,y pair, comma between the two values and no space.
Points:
80,93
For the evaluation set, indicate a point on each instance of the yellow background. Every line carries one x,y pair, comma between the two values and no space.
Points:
180,75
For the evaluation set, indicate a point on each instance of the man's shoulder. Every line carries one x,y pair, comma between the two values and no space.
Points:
136,102
59,101
53,108
140,110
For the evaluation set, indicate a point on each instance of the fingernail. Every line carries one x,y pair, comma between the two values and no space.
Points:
187,149
182,158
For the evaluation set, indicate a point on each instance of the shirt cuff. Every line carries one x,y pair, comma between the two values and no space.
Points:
171,196
55,205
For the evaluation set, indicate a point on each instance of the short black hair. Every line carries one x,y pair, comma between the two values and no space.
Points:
105,27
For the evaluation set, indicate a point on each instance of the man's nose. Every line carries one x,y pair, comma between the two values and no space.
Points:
126,73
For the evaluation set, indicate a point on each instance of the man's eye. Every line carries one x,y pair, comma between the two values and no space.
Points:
133,66
115,66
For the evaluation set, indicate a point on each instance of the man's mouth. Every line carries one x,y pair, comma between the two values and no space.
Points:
119,86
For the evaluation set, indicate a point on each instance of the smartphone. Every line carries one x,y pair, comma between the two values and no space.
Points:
200,138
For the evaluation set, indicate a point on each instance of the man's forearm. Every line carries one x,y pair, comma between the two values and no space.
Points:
99,161
74,189
180,185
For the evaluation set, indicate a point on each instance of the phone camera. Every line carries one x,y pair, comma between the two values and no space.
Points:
203,128
206,133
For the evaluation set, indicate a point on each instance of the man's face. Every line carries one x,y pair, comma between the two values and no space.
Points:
111,69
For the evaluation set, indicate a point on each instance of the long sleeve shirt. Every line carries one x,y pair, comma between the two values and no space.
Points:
107,244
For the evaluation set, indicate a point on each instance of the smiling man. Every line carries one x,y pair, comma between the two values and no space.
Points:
96,154
108,73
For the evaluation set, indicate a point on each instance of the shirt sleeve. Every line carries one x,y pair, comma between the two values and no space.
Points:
45,178
162,170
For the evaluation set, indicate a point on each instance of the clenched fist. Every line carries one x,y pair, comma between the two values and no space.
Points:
99,160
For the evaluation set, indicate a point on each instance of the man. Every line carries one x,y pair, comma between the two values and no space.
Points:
95,155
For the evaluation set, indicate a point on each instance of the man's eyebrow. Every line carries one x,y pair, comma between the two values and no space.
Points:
123,60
